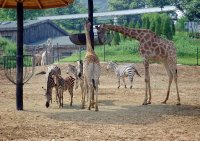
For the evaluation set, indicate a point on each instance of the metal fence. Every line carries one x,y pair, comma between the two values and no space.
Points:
58,51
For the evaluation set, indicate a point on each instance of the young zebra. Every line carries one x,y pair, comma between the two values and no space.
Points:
51,72
50,86
77,71
123,71
63,85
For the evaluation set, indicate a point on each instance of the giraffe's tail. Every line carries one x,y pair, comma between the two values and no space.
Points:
93,83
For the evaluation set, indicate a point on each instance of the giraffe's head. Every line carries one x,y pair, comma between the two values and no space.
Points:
101,32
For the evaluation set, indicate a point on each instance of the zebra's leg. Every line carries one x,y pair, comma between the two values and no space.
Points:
118,81
70,90
124,81
131,81
56,94
62,98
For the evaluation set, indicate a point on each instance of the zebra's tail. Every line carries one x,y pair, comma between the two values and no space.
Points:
137,72
93,83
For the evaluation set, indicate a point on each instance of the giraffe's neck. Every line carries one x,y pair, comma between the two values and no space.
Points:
88,42
137,34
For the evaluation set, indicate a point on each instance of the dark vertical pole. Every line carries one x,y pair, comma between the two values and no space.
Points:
19,57
197,56
90,17
104,53
58,53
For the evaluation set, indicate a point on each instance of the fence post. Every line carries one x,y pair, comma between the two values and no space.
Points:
58,52
104,53
197,56
53,53
79,53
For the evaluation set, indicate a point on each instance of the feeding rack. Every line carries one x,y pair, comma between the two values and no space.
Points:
11,71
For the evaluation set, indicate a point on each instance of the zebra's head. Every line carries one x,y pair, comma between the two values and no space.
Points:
111,65
48,97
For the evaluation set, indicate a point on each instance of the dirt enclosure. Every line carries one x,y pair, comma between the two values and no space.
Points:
121,115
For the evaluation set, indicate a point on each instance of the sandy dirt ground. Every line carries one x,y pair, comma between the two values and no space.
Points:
121,116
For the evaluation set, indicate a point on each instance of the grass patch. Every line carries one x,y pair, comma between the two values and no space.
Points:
127,51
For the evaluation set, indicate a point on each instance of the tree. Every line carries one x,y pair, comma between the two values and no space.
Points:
145,21
158,22
167,30
116,39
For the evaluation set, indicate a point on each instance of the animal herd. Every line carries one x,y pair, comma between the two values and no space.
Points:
86,74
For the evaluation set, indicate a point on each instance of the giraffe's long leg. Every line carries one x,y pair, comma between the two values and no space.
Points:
83,96
170,81
96,100
90,96
147,81
175,80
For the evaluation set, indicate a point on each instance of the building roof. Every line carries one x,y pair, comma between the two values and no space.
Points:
12,25
61,40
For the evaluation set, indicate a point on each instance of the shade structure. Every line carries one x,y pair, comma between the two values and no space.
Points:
35,4
20,5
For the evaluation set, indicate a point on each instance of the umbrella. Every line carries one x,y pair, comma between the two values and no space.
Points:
20,5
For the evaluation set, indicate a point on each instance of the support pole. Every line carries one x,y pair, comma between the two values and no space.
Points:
19,57
197,56
90,18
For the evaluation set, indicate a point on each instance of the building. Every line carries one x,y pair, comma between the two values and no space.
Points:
36,33
34,30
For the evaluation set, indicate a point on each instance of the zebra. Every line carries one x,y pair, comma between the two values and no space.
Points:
123,71
63,85
72,70
51,72
50,85
77,71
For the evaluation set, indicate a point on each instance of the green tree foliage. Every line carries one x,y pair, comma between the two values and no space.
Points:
166,27
158,28
116,39
137,25
180,24
145,21
161,24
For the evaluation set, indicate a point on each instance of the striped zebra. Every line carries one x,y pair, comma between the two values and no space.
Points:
123,71
77,72
72,70
51,72
63,85
50,85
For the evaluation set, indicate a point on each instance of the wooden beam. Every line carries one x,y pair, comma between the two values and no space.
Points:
66,3
39,4
4,3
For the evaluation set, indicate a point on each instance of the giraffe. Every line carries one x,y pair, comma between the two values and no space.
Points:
152,48
91,71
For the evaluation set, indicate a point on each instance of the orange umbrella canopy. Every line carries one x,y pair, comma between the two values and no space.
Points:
35,4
